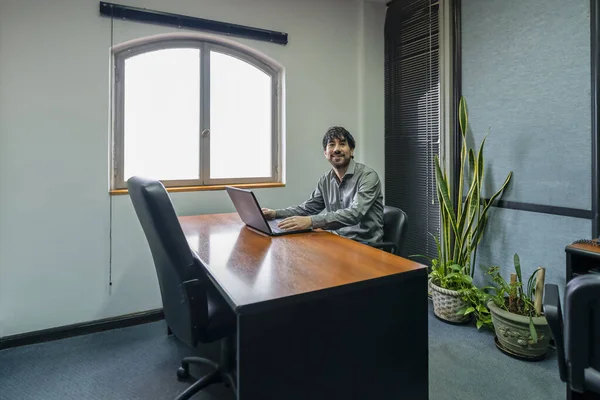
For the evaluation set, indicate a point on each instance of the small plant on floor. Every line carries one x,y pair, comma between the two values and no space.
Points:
517,312
515,298
477,299
474,299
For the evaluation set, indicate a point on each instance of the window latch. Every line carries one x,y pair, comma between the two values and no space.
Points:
205,132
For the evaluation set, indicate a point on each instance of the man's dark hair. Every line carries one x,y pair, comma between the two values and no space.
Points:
340,133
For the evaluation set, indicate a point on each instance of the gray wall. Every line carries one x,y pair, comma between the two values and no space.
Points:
55,210
526,76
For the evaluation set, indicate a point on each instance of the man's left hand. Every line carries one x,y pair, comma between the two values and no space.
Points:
296,223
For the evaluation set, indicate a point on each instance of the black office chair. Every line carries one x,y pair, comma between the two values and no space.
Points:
577,339
394,224
194,310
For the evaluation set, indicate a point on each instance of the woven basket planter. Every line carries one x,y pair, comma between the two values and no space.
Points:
446,303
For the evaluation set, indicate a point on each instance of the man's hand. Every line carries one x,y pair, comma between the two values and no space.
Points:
295,223
268,213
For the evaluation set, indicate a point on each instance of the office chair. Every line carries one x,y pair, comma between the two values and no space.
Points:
577,338
394,224
194,310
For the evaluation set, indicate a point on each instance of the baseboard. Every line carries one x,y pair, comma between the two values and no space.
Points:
63,332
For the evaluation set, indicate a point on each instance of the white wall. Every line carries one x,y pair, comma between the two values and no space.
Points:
371,78
55,211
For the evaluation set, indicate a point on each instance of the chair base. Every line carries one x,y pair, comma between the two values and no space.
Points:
221,373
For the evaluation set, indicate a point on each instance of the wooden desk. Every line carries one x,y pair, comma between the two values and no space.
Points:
319,316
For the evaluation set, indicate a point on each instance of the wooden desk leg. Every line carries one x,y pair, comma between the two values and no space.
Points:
367,341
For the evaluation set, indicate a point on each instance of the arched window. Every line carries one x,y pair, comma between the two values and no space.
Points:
196,110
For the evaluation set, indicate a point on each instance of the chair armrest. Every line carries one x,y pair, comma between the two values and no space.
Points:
384,246
195,293
592,380
553,314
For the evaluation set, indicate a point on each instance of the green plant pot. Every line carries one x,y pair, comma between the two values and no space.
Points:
512,331
446,304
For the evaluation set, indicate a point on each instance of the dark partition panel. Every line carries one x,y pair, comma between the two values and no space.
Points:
412,127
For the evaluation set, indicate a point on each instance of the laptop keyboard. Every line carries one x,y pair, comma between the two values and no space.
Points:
273,224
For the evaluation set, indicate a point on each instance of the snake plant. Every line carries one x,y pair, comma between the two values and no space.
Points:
463,223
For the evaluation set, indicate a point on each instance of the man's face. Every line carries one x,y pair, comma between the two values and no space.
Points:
338,153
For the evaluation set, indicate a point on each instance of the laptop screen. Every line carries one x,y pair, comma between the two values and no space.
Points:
248,208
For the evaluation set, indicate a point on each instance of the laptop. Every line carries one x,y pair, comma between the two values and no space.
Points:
251,214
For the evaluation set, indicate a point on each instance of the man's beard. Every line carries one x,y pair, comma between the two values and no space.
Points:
343,163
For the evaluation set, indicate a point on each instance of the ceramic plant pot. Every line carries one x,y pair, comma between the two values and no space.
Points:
514,337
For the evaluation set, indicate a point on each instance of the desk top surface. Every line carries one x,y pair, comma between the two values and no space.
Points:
252,268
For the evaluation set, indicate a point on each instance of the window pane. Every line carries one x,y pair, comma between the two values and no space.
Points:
162,114
240,119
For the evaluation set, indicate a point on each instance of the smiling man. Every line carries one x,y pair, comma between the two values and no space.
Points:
349,194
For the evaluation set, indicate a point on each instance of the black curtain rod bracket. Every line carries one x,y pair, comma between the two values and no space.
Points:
119,11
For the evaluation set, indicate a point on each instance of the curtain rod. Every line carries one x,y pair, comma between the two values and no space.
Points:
182,21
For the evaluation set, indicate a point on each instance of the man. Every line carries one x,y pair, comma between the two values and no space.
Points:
350,194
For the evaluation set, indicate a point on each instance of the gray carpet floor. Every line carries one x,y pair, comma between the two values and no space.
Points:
140,363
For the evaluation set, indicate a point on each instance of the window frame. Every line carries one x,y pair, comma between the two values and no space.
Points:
205,43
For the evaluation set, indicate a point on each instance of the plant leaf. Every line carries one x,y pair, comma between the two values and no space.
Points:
471,210
444,191
463,116
480,162
489,203
471,165
518,267
465,213
532,330
430,259
446,208
481,308
519,275
531,285
481,229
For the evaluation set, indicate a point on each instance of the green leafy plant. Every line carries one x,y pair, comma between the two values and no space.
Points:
463,219
477,299
517,298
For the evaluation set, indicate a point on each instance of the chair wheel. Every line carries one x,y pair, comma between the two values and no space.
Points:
183,373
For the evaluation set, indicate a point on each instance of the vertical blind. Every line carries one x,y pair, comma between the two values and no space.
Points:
412,119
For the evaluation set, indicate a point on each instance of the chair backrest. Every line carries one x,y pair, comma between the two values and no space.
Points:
394,225
177,269
582,332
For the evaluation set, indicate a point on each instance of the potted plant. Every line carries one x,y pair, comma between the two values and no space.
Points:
517,313
463,222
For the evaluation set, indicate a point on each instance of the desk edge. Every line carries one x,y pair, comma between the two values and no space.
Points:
282,302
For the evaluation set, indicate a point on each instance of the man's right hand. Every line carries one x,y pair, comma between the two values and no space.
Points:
268,213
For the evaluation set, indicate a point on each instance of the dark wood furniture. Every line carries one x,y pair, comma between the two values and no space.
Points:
319,316
582,258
